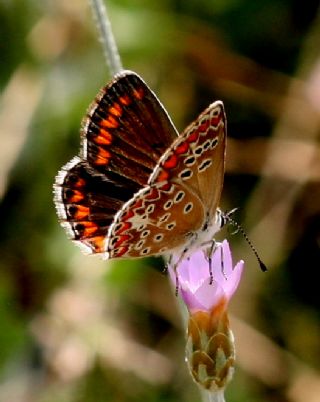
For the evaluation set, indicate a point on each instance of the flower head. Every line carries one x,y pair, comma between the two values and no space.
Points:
210,351
197,291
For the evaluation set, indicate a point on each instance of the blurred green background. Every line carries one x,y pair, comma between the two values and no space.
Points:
78,329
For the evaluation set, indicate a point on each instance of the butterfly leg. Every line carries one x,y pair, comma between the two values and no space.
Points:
167,264
175,267
213,246
222,264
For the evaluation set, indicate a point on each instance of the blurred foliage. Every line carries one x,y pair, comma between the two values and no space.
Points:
74,328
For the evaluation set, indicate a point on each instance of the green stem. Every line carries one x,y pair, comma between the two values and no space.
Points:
109,46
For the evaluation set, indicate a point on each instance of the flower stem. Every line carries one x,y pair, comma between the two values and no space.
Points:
208,396
109,46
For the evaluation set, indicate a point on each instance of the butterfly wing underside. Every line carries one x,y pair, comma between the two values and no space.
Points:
126,129
125,132
156,220
184,190
197,157
86,203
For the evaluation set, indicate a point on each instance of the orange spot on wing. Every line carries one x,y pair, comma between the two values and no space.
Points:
127,215
138,204
75,197
110,122
215,121
102,157
164,175
116,109
125,226
165,187
204,126
98,243
193,137
104,137
101,140
122,239
138,93
79,183
125,100
89,228
171,162
121,250
182,148
81,212
154,194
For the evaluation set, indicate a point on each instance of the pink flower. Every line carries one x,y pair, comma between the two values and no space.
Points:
194,279
210,350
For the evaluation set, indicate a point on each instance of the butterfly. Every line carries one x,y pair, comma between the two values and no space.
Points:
138,188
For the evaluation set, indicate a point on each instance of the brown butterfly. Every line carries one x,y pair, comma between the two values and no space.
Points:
138,188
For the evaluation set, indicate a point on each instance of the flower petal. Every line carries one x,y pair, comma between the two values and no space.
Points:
191,301
233,280
210,295
194,278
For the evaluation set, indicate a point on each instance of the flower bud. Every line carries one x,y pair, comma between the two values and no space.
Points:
210,351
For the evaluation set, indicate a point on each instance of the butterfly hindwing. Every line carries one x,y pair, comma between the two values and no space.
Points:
125,132
159,218
87,201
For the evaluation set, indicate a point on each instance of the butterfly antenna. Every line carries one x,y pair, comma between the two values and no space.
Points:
244,234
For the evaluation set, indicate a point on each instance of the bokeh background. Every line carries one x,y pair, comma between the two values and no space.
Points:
78,329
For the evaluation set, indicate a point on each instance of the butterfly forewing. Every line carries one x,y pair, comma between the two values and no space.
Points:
197,157
126,129
210,155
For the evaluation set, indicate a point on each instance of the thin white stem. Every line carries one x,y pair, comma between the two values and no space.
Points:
109,46
208,396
